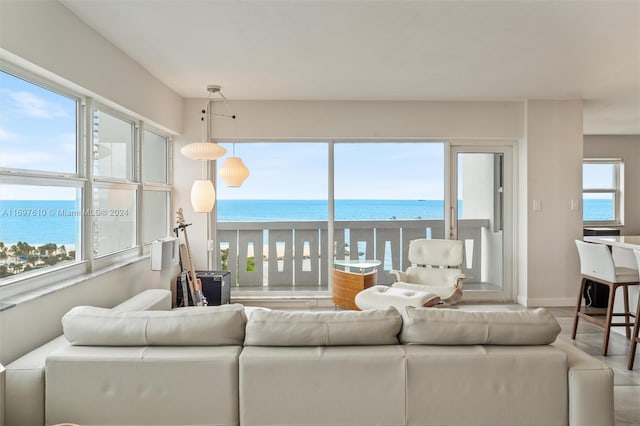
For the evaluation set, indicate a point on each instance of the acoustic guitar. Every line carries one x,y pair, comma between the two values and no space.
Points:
195,285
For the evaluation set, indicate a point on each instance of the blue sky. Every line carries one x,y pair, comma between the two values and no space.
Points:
295,170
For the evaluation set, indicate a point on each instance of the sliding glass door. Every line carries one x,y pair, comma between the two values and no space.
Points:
481,185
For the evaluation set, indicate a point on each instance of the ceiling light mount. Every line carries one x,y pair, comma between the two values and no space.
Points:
213,89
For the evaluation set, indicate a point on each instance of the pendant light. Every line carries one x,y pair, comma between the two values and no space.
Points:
233,171
203,196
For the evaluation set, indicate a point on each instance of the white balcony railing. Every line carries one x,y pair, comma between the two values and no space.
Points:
297,254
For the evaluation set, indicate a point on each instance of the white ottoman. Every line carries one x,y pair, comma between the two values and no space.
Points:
380,296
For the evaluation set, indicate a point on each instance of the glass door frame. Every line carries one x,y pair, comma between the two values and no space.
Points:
452,149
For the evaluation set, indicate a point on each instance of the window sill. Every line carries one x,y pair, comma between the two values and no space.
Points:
14,300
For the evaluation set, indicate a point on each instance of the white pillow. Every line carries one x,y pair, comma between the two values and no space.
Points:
429,326
295,328
195,326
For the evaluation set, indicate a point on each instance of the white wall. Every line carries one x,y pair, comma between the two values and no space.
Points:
36,321
371,119
45,34
554,178
627,148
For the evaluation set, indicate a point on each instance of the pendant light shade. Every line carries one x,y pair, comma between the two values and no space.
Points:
203,196
203,151
233,171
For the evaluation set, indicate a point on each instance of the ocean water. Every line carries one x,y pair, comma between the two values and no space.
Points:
39,222
292,210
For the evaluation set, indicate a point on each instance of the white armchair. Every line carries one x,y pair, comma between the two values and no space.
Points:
434,277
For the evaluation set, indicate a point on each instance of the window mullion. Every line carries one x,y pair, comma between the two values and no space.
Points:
88,222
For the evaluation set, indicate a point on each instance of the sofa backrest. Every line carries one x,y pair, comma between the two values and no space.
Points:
193,326
325,328
429,326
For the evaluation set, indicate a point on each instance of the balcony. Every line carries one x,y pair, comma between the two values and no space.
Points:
296,255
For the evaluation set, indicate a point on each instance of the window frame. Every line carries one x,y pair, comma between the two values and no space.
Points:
617,191
85,181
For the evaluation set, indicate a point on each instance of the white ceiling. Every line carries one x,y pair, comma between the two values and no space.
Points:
389,50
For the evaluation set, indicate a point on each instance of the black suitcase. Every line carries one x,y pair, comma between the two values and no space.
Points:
216,288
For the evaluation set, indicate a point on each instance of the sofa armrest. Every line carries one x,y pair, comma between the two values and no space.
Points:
148,300
25,385
590,384
2,394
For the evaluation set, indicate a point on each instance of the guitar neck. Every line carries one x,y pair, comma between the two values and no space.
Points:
189,261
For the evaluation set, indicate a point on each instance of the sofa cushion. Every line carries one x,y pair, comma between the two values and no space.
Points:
195,326
287,328
428,326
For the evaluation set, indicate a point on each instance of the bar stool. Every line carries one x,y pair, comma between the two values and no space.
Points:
634,337
596,264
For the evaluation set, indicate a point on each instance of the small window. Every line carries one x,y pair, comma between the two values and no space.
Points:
156,194
114,216
154,158
156,214
602,191
112,146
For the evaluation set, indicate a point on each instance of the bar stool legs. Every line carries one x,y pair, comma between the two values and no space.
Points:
609,314
634,338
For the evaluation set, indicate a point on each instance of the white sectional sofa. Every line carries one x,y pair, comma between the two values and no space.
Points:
426,366
25,377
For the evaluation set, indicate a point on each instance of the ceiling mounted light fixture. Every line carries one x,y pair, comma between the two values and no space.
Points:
206,150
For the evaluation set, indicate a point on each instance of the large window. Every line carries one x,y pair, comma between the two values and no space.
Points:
602,191
274,230
58,210
387,193
270,229
41,192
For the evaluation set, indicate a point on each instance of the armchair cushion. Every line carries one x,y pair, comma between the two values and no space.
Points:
454,327
436,277
195,326
295,328
436,252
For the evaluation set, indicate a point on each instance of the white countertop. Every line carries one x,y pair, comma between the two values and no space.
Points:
626,241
